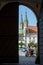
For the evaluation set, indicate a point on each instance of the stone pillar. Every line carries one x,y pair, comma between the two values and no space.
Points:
41,37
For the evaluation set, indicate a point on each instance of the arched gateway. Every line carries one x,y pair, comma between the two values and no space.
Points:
9,28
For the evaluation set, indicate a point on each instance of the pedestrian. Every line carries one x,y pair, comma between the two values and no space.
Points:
32,50
28,51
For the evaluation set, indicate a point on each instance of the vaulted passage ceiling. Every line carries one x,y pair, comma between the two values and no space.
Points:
33,4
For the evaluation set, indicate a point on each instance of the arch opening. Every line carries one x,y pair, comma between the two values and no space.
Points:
28,34
26,31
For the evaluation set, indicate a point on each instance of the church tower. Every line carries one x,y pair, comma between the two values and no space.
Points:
25,20
25,24
21,23
21,26
25,29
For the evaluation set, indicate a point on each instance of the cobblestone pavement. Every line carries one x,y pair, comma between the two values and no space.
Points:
23,60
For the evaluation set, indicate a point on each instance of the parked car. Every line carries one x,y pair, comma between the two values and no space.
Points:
24,49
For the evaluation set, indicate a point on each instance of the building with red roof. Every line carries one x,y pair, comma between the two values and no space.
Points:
27,33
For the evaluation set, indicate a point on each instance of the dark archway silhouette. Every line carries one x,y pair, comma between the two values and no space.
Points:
9,32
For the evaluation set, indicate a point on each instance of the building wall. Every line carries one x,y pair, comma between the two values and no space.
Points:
30,38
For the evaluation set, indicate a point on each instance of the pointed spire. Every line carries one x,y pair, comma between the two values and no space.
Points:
21,19
26,19
21,23
25,16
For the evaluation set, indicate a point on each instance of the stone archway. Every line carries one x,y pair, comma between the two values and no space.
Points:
35,5
9,33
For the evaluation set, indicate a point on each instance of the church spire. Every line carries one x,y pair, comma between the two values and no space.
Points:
26,19
25,16
21,22
21,19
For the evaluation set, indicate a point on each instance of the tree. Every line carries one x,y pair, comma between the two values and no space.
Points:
21,44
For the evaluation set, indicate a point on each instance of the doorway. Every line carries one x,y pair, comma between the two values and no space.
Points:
28,35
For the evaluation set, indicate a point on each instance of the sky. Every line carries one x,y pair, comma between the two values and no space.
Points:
32,19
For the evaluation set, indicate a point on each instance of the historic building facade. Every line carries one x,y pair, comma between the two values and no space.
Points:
27,33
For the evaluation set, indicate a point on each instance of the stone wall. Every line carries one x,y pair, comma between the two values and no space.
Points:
41,37
9,33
